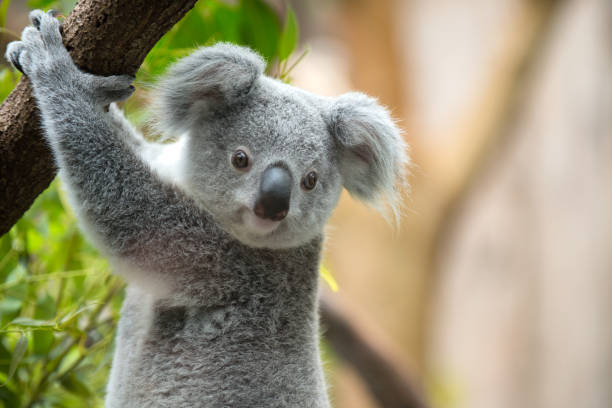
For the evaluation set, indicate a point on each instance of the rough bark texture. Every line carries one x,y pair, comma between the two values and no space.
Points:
104,37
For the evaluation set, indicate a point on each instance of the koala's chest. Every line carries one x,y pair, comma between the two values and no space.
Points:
178,323
259,320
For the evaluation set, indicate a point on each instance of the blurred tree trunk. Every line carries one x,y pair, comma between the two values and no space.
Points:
525,283
381,269
376,59
368,28
104,37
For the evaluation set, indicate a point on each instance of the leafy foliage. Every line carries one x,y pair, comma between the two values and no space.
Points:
59,303
58,307
247,22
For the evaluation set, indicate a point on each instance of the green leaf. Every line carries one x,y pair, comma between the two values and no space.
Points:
5,358
260,28
190,32
69,318
3,9
14,282
9,309
329,278
227,23
35,241
289,36
40,4
27,322
10,305
8,398
5,240
42,341
73,384
18,353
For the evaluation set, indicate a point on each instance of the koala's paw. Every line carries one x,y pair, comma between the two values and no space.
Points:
111,88
41,49
41,56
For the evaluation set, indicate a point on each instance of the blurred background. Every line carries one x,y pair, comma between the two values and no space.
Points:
496,291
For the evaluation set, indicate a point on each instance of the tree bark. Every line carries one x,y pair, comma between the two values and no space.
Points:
104,37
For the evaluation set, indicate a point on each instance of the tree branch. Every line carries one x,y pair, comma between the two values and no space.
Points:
385,377
104,37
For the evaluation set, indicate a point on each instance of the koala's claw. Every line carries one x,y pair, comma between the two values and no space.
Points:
41,56
37,15
48,26
35,22
13,52
40,45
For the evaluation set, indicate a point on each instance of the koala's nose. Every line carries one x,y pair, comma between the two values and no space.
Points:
274,194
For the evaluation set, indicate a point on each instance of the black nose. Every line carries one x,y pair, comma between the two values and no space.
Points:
274,194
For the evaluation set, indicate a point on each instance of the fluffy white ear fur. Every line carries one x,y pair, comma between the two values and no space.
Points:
373,155
210,79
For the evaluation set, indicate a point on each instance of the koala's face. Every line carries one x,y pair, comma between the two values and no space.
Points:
268,160
267,168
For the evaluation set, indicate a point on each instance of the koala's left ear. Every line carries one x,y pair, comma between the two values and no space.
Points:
372,152
205,82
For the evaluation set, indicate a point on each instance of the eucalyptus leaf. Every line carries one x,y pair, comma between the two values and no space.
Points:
70,317
5,359
8,80
73,384
227,23
260,28
3,9
18,352
40,4
42,340
28,322
8,397
289,37
10,305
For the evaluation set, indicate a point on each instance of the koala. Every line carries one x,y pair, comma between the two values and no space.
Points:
219,236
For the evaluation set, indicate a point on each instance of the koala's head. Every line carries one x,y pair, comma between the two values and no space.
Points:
268,160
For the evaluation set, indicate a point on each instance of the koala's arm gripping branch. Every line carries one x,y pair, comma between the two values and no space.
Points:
124,204
104,37
125,208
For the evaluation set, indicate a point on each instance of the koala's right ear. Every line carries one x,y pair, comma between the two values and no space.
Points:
211,78
372,153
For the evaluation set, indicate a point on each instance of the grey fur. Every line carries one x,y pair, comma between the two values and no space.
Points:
219,312
207,81
373,155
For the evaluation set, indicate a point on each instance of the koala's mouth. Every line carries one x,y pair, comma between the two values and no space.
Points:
256,224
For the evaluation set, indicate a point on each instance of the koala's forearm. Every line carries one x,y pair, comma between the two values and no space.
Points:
112,188
85,141
124,208
95,162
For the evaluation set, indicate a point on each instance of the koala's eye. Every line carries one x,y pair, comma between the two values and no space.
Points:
309,181
240,159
